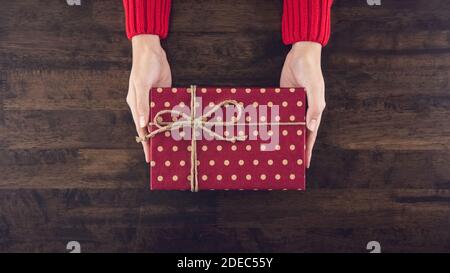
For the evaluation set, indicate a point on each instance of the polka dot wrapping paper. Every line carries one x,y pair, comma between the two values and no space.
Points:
271,157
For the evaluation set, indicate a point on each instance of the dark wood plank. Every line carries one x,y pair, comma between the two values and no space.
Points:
73,168
124,169
108,220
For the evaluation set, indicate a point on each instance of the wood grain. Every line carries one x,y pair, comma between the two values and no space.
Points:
70,169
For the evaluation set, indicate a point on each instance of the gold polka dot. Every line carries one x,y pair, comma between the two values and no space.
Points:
198,162
270,104
167,104
292,147
233,147
270,133
292,118
174,90
263,147
292,90
219,177
159,90
174,148
188,90
277,147
204,177
248,147
241,133
284,162
160,178
241,162
284,132
248,118
284,104
248,90
182,104
204,148
299,162
189,148
299,103
160,148
263,118
277,90
233,90
255,104
233,177
255,162
152,163
248,177
167,163
203,90
175,178
218,90
219,148
263,177
212,162
167,134
255,133
292,176
262,90
189,177
277,177
152,104
270,162
182,163
226,162
226,133
277,118
299,132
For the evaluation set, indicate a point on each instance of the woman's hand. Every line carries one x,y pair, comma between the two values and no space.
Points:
302,69
150,69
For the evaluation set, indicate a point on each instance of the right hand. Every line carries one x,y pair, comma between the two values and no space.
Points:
150,69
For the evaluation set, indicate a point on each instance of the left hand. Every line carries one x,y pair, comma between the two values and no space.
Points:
302,68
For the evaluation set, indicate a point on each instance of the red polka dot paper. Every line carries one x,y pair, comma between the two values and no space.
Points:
242,165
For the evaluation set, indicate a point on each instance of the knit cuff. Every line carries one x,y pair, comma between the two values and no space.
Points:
306,20
147,17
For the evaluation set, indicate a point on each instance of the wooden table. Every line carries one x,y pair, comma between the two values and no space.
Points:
70,169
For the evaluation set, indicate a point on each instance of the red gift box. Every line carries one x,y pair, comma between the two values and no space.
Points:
238,138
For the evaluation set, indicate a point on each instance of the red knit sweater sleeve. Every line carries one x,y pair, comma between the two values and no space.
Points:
303,20
147,17
306,20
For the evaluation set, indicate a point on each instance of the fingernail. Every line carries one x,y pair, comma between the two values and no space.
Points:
312,125
142,121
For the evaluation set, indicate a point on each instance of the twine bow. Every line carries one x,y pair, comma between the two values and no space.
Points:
200,122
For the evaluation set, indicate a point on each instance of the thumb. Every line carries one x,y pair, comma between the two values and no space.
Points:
142,104
315,109
312,118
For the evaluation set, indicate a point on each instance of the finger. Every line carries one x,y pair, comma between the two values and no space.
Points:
310,141
131,100
142,103
145,144
142,113
316,105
